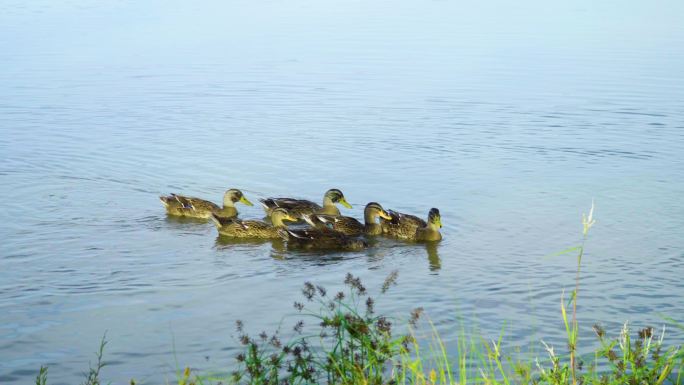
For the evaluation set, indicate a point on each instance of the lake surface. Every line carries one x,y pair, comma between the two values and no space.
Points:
510,118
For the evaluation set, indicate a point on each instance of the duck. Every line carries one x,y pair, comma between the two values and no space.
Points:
409,227
320,239
348,225
237,228
297,207
185,206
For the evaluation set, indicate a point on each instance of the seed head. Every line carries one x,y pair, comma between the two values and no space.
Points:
369,305
321,290
588,220
415,316
309,290
390,281
299,326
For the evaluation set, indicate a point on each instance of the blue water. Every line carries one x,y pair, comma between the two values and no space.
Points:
510,117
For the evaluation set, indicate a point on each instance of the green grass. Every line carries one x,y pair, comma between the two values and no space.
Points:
341,340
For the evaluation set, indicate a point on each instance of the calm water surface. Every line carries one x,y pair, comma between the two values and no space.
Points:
509,118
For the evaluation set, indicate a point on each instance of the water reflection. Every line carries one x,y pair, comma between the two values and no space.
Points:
434,261
310,257
223,242
178,222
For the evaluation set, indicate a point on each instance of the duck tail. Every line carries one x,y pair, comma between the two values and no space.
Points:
164,200
267,203
221,221
216,220
395,217
307,218
284,234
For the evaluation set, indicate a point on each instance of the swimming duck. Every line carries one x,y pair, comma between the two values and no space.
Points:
409,227
297,207
237,228
320,239
199,208
348,225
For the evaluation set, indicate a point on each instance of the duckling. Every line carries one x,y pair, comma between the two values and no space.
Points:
348,225
237,228
199,208
409,227
320,239
297,207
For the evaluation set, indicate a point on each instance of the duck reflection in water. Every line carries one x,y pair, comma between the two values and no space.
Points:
225,242
435,263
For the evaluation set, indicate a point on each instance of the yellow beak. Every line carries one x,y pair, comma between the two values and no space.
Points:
244,200
344,203
384,215
290,218
439,222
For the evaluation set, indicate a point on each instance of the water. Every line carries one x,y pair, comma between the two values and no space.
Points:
510,118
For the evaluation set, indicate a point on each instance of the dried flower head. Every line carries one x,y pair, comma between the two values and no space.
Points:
355,283
415,316
370,305
321,290
646,333
275,342
244,339
390,281
598,329
299,326
309,290
383,325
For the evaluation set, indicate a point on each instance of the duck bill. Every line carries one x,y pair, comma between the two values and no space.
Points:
385,215
344,203
245,201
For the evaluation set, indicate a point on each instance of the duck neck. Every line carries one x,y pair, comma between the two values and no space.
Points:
370,217
373,228
433,227
329,207
228,211
430,233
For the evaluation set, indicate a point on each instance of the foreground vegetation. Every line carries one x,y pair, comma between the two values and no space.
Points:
341,340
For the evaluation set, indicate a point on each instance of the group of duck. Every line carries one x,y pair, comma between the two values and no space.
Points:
327,228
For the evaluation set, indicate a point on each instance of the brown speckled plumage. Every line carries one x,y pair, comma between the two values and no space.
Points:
186,206
320,239
348,225
299,207
238,228
410,227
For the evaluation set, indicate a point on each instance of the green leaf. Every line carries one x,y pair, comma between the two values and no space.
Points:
562,252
